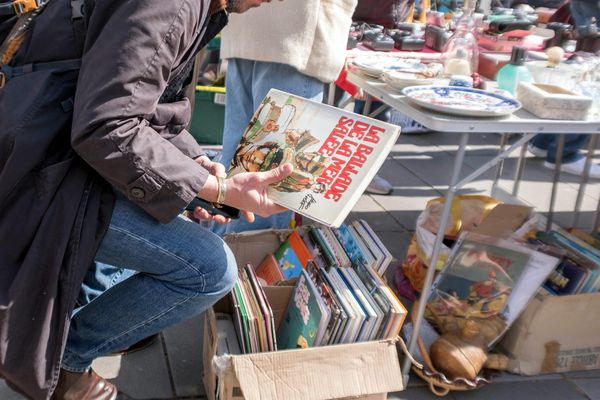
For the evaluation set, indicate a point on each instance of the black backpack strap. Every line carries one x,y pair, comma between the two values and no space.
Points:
78,22
8,72
19,7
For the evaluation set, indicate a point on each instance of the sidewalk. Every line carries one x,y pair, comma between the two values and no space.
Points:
419,167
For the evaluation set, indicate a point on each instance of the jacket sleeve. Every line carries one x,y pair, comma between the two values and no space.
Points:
131,49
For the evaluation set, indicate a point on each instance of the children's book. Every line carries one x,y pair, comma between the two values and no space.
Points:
368,325
379,323
356,314
292,256
268,272
325,250
335,154
351,245
305,318
265,309
375,239
336,247
370,245
385,298
332,303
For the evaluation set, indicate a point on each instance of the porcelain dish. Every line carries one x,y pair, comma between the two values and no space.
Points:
462,101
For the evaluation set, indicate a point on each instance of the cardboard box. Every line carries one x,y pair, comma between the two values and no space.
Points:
555,334
367,370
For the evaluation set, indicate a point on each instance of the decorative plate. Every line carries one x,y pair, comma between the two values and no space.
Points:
462,101
403,78
374,66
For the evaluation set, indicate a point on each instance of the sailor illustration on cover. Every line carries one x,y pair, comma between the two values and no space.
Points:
308,165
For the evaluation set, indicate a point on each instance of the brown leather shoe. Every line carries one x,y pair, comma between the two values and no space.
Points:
83,386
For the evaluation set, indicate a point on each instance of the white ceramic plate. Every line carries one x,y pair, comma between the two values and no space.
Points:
399,80
374,66
462,101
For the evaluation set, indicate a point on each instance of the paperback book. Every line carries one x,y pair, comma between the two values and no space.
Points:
335,154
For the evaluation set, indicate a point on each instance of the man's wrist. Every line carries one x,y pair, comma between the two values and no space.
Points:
222,189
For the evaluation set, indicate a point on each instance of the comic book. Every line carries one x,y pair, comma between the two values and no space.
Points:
305,318
335,154
477,282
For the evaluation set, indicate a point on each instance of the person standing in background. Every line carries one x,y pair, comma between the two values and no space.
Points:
293,46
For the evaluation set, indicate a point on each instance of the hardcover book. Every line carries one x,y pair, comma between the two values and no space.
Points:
292,256
350,244
268,271
335,154
306,317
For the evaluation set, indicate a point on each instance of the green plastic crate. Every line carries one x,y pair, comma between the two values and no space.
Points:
208,117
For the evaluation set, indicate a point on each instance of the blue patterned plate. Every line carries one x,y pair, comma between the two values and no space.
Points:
462,101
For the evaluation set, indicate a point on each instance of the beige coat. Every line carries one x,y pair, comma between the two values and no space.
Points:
309,35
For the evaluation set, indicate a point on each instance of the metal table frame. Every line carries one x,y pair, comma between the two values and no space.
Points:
520,122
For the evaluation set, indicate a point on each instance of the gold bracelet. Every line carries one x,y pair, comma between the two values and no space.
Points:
222,189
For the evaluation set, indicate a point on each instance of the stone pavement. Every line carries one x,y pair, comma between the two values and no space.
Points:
419,167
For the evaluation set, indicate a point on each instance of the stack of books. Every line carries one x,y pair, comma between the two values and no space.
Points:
579,269
339,295
253,319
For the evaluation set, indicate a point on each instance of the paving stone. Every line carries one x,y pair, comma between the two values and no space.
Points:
531,390
7,393
184,350
378,221
594,373
591,387
141,375
396,242
366,204
505,377
413,393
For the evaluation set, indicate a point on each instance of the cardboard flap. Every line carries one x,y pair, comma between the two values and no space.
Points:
503,220
321,372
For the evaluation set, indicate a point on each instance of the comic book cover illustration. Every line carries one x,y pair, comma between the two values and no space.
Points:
476,282
335,154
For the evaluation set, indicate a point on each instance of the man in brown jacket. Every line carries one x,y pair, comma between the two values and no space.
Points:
57,181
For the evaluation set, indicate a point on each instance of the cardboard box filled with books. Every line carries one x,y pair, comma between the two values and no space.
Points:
322,351
559,329
526,293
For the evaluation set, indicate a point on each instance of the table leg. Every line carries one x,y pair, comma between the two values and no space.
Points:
331,94
584,180
597,219
500,166
368,102
559,153
519,171
436,251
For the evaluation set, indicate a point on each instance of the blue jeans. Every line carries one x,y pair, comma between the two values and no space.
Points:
98,279
583,10
571,153
182,270
247,83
